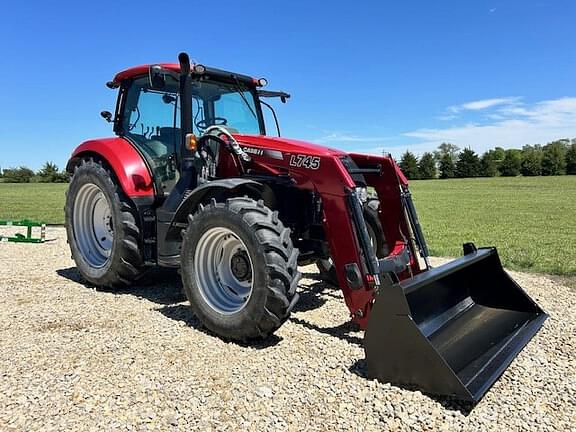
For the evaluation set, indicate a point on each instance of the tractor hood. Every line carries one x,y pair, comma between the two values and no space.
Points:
286,145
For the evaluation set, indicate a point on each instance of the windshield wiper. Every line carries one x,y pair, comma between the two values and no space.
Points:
241,93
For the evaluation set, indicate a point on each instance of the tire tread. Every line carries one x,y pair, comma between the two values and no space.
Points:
280,258
130,265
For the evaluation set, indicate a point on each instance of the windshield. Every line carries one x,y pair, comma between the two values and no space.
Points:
213,103
224,104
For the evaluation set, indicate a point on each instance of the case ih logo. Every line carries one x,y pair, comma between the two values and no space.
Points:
274,154
254,151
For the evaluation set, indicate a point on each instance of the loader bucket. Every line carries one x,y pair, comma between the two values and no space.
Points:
451,330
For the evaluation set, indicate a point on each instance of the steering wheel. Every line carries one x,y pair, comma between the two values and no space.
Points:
217,121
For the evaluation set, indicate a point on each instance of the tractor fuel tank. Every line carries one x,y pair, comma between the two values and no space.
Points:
451,330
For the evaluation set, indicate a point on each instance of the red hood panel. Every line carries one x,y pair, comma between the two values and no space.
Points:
286,145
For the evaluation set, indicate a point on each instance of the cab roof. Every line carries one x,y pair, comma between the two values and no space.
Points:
175,67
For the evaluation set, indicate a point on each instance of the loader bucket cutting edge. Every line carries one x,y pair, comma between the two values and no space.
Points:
452,330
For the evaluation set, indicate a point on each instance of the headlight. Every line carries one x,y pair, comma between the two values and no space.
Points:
199,69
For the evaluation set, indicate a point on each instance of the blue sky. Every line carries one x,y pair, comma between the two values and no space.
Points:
364,76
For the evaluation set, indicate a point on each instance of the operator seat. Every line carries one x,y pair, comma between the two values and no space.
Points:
171,137
156,147
166,142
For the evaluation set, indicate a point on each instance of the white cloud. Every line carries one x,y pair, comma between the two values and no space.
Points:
343,137
501,122
482,104
512,127
446,117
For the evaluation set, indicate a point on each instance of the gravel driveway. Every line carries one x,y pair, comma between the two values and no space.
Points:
73,358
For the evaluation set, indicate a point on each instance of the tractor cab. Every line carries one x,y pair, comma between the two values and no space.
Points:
149,112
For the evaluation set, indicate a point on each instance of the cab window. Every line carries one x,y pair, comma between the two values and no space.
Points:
239,112
152,121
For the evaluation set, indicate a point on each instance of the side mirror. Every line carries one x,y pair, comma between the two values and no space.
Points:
106,115
156,77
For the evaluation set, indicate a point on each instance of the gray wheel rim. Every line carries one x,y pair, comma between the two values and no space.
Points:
93,229
223,270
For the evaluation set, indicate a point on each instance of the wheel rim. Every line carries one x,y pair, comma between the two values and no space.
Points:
223,270
93,228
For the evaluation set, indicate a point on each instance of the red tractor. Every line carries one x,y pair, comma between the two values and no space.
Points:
193,182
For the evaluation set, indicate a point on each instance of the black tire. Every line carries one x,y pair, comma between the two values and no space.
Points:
124,263
371,209
274,276
376,233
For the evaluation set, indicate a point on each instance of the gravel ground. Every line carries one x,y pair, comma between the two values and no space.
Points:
73,358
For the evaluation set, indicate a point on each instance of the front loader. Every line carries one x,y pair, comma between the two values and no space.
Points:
192,181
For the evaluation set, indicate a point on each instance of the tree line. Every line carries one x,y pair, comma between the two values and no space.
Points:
49,173
448,161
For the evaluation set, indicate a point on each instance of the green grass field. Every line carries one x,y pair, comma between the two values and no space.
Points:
529,219
42,202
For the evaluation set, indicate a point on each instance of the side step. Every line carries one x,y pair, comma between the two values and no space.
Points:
451,330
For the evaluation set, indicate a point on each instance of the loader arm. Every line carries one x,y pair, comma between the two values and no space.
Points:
353,258
331,174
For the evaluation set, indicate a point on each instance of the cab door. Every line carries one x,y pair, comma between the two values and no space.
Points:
151,120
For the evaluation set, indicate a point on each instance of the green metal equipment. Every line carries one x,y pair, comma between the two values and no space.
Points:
21,238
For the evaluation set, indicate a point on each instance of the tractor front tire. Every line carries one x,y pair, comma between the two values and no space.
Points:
239,269
101,226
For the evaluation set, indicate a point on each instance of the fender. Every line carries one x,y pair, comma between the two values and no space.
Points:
211,189
128,165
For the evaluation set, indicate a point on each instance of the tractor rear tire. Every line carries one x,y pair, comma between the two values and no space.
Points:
378,239
101,226
239,269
